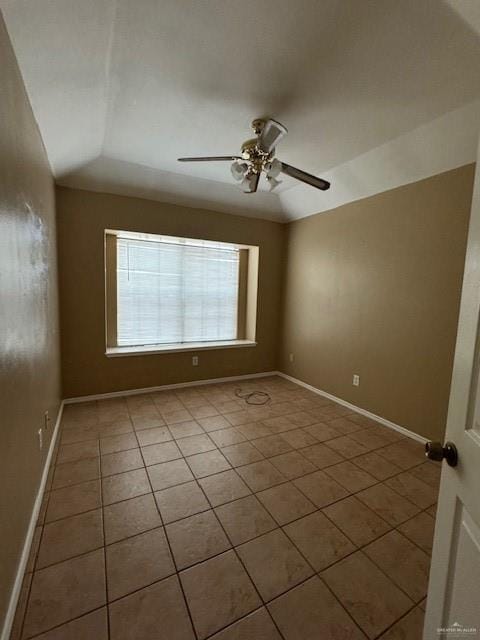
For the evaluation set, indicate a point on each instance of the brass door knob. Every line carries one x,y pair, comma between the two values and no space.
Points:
435,451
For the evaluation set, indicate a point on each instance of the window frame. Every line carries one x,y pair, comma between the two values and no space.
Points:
246,307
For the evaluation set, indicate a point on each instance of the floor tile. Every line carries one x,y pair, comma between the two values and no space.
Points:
415,490
403,455
205,464
236,418
71,473
79,434
261,475
158,611
320,488
322,431
227,437
345,425
321,455
376,465
293,465
299,438
172,403
92,625
350,476
78,451
147,420
347,447
252,430
213,423
162,452
273,563
169,474
301,419
153,436
419,530
285,503
363,421
196,538
224,487
181,501
227,406
272,445
428,472
176,416
121,461
127,518
311,612
388,504
299,432
410,627
113,444
369,596
70,537
137,562
65,591
336,409
403,562
356,520
241,454
185,429
203,411
196,444
279,424
256,626
245,519
370,438
218,593
124,486
72,500
319,540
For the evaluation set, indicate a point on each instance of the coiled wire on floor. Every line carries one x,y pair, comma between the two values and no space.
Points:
253,397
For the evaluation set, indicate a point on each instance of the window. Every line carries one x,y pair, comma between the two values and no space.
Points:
168,293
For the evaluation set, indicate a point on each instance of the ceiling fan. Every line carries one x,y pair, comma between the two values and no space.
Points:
257,155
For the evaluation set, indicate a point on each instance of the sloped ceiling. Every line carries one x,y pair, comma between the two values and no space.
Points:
120,89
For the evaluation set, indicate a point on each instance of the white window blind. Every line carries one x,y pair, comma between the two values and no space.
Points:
175,291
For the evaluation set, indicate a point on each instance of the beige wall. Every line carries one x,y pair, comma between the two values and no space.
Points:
82,218
373,288
29,355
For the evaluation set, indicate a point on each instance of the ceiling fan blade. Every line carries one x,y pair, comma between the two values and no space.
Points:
250,183
303,176
271,135
209,159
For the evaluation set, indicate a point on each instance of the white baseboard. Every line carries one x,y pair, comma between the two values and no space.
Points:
194,383
363,412
166,387
17,585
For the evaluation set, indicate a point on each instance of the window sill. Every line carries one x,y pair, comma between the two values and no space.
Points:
118,352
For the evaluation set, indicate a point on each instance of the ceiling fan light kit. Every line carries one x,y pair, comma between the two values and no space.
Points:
257,156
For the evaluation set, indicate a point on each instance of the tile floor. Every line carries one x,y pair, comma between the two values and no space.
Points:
189,514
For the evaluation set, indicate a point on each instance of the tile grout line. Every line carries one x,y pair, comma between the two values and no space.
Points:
170,551
104,543
234,549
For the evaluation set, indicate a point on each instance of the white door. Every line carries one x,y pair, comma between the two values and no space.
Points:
453,607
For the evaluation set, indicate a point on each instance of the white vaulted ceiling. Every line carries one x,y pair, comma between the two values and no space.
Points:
375,93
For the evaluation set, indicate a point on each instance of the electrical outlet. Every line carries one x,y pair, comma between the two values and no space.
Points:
356,380
40,439
291,357
195,361
47,420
